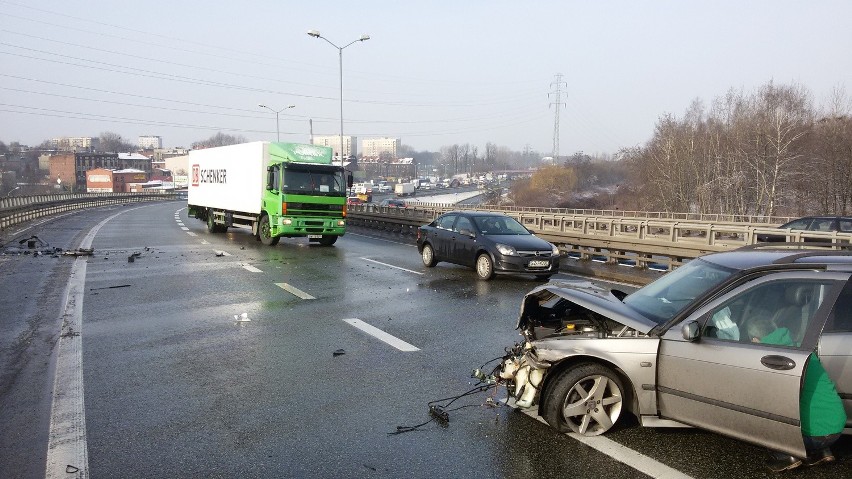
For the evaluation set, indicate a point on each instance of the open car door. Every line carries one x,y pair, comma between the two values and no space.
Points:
735,365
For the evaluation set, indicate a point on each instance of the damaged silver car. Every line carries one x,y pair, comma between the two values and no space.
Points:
685,350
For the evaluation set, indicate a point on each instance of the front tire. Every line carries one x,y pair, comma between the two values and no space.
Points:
586,399
264,232
484,267
428,256
327,240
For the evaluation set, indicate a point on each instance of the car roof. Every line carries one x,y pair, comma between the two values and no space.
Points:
477,213
759,255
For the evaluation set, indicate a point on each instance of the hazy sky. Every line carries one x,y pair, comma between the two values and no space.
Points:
433,73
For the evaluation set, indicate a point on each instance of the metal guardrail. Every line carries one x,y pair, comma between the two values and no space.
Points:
18,209
641,241
661,243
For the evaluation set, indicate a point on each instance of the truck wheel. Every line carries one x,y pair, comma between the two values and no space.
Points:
327,240
211,224
265,232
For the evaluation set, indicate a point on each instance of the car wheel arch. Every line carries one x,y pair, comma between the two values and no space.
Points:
556,370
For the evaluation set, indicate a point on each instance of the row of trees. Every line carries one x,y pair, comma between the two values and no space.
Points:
766,153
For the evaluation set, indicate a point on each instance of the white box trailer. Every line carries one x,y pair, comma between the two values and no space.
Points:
217,181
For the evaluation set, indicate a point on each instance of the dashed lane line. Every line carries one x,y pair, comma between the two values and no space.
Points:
251,268
381,335
392,266
294,291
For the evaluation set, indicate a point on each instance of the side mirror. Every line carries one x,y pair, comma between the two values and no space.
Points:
270,177
349,180
690,331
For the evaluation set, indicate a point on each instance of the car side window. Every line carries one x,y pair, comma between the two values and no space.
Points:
822,224
840,317
445,222
800,224
845,225
775,313
463,223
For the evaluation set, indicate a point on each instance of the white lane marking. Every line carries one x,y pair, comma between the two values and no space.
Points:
184,228
391,266
180,223
190,233
221,253
66,443
205,242
294,291
252,268
620,453
381,335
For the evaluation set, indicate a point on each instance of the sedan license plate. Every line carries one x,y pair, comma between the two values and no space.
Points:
314,236
539,263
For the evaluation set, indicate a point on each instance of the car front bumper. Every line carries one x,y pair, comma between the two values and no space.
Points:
521,264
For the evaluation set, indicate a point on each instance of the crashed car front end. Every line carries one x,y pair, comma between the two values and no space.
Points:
570,324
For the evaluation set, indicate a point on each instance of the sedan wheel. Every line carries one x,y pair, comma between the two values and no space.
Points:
484,267
586,399
428,255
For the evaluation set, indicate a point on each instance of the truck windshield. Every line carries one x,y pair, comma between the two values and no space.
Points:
313,182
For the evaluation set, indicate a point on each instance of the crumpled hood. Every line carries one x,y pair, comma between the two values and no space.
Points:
593,298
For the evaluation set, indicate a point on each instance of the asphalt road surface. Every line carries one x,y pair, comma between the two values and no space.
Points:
210,355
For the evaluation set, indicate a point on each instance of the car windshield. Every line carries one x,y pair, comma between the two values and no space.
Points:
663,299
499,225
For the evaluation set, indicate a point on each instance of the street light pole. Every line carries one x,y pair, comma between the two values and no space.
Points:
316,34
277,129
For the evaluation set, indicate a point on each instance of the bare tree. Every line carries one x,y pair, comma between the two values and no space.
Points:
110,142
219,139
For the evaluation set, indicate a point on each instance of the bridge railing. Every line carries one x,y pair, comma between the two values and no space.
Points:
18,209
641,242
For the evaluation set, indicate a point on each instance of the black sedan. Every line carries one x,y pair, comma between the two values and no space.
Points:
826,224
491,243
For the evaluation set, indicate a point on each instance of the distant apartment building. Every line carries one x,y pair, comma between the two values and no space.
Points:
350,144
150,142
69,169
374,147
81,144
